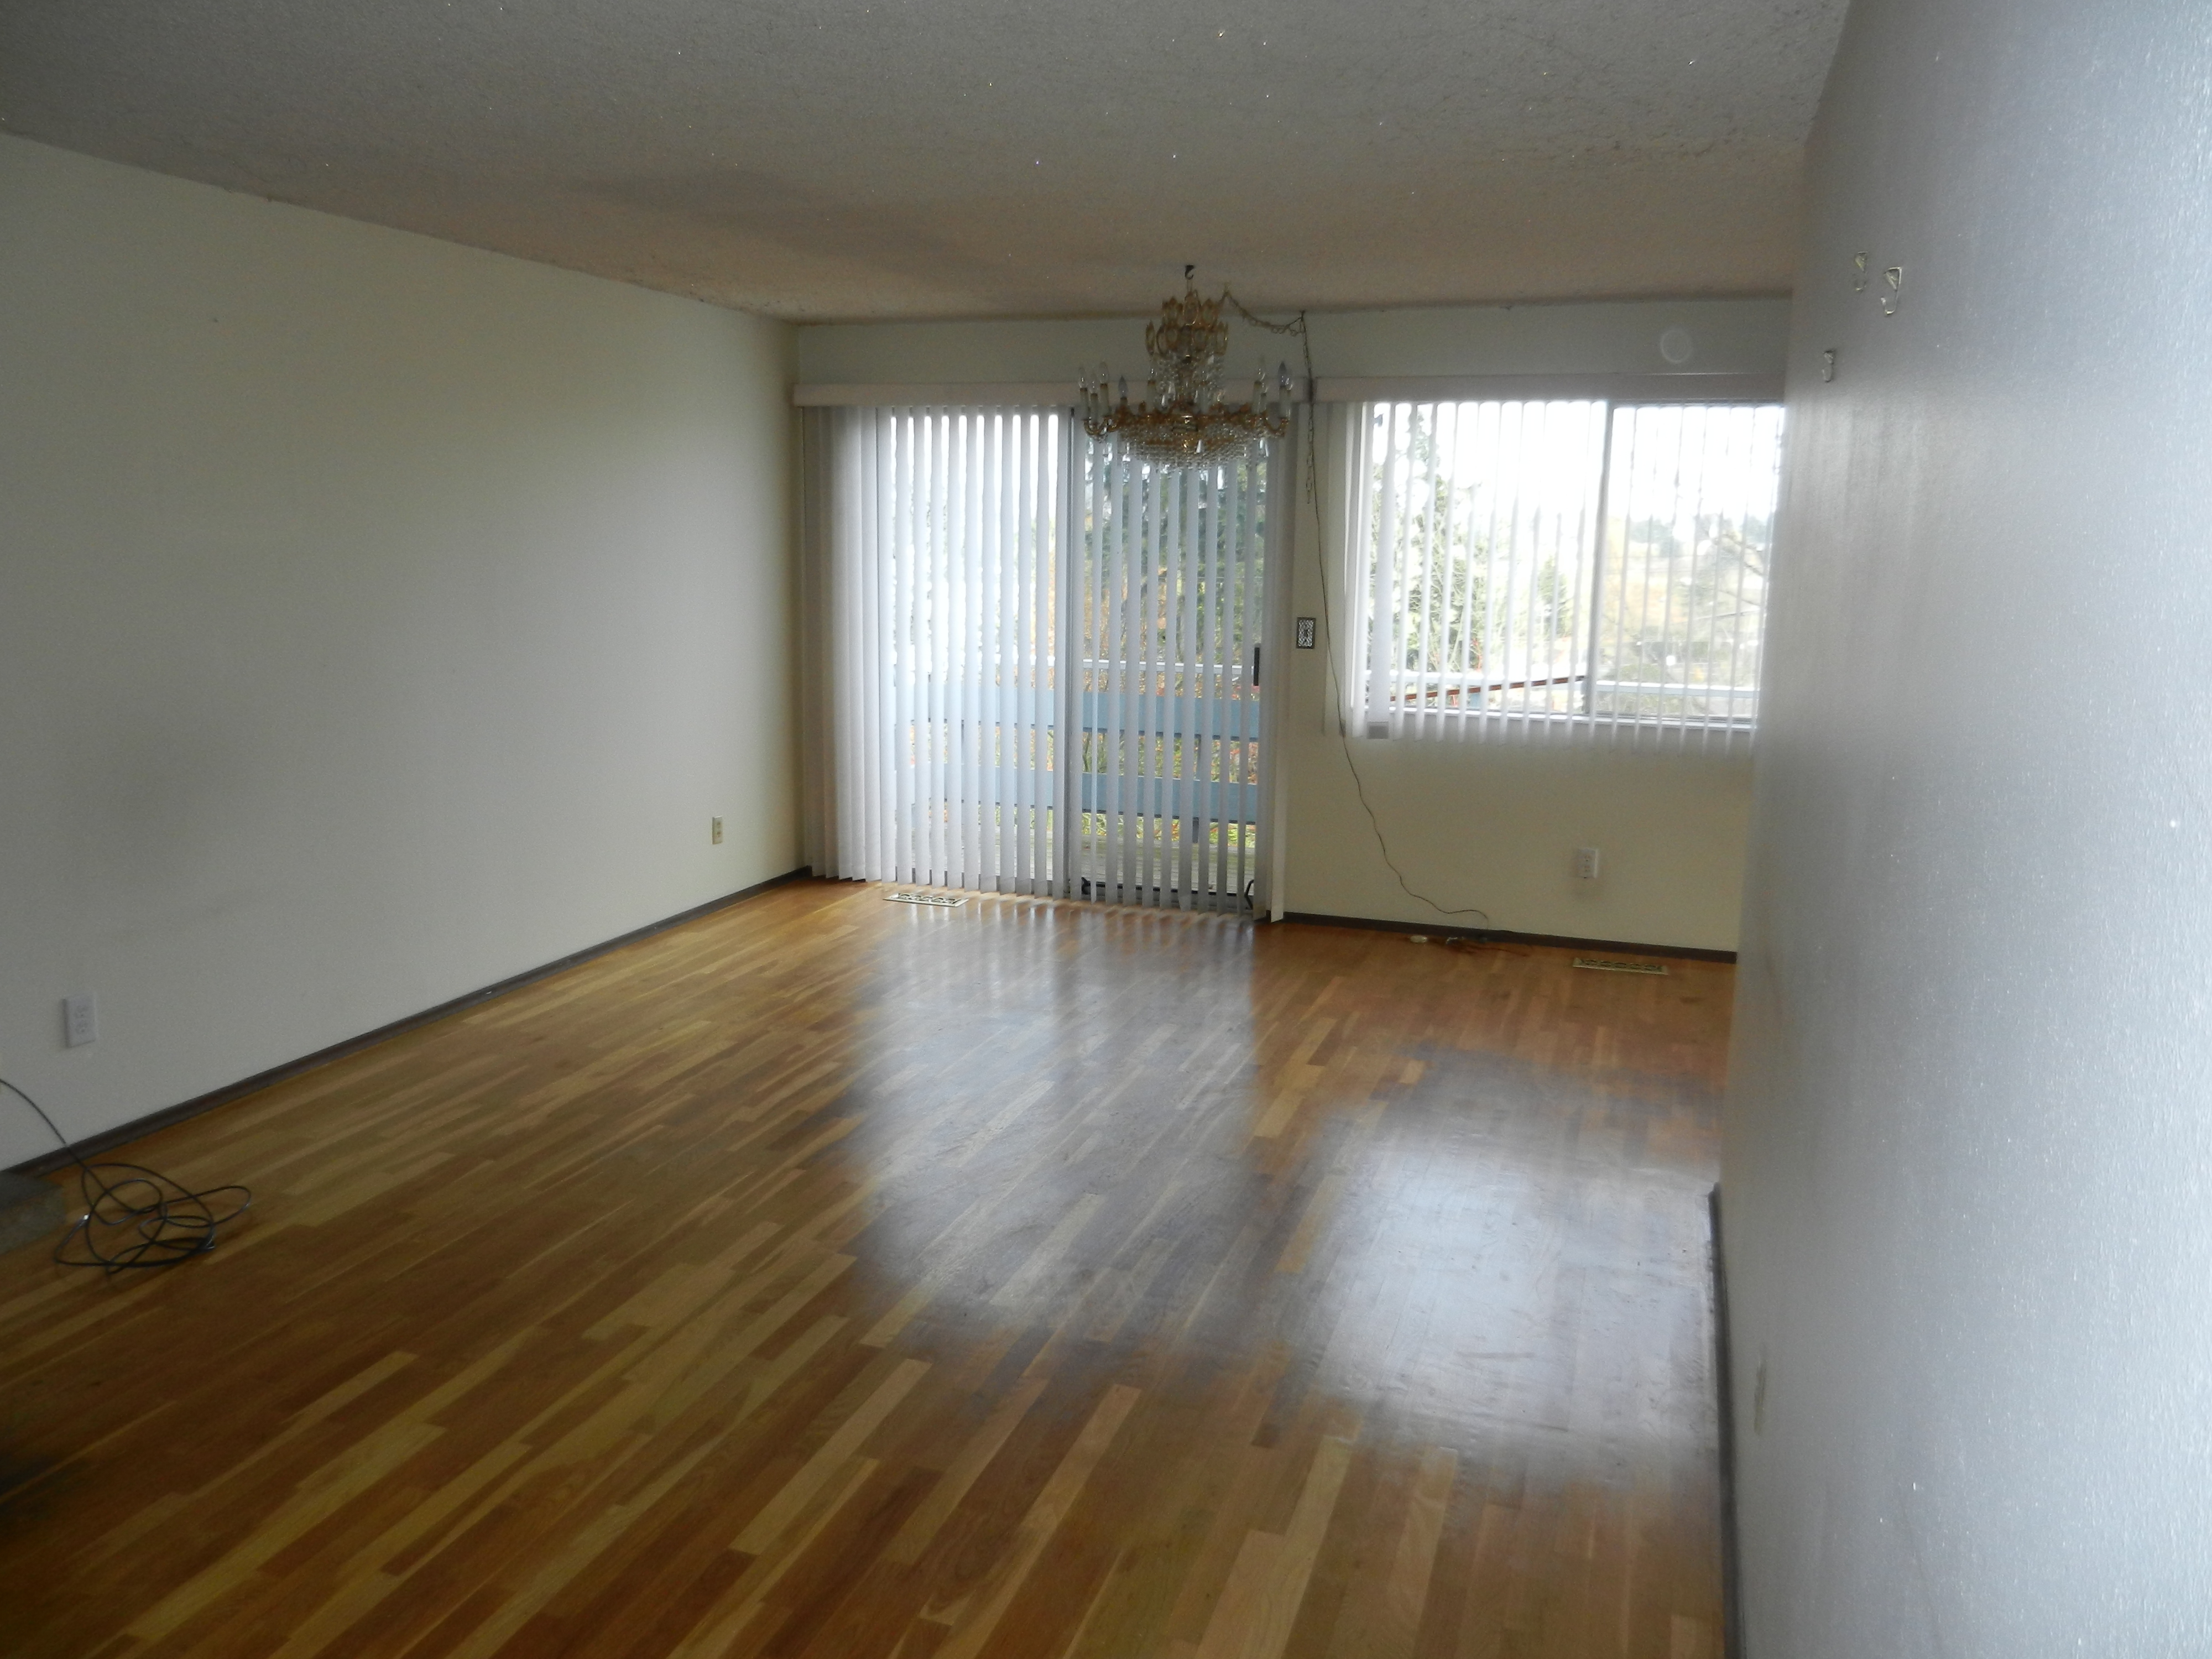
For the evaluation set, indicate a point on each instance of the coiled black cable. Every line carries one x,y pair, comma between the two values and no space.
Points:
135,1217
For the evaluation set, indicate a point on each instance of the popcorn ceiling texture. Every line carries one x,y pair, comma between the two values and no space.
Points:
985,158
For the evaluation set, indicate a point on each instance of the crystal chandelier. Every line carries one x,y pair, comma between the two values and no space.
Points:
1185,424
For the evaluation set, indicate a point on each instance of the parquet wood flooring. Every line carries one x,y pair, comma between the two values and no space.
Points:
828,1278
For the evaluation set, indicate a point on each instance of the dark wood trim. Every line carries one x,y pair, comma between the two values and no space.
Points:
1731,1569
161,1119
1500,936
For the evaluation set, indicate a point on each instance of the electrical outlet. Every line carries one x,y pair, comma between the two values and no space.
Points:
80,1019
1305,633
716,832
1587,860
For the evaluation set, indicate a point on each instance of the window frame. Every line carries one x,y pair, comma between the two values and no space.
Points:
1595,556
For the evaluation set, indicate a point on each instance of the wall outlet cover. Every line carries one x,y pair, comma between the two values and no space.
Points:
80,1019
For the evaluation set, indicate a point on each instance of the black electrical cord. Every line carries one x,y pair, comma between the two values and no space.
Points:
1328,623
135,1217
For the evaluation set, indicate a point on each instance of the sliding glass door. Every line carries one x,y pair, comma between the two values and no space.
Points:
1167,583
1034,663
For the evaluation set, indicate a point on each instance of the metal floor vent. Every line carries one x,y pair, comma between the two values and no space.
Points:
940,899
1608,965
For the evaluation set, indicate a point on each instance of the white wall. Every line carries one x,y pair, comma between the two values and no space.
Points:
1968,1162
1496,827
1479,826
378,618
1729,337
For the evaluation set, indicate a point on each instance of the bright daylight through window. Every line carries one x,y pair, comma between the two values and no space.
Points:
1561,569
962,559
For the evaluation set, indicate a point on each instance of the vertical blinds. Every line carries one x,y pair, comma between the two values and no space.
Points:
1169,577
1475,518
1690,494
943,532
1035,669
1559,569
1031,666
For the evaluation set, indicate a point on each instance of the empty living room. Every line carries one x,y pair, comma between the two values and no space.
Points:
955,831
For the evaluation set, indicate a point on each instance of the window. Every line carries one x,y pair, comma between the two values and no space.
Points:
1561,567
940,605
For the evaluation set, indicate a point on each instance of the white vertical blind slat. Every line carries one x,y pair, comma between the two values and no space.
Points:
1625,437
1153,589
1111,651
1021,657
864,618
909,755
1144,577
986,803
1180,741
1231,688
1009,649
934,625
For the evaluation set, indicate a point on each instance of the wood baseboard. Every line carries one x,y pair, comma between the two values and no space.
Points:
166,1116
1501,936
1731,1573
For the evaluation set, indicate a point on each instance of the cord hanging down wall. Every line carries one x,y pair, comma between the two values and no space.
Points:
1298,326
135,1217
1191,427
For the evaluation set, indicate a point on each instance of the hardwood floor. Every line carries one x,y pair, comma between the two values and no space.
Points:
830,1277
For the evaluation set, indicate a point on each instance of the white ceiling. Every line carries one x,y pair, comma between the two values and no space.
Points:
951,158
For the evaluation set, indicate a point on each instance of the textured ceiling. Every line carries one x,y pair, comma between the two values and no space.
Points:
949,158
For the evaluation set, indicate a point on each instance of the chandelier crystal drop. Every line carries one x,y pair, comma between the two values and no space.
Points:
1183,423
